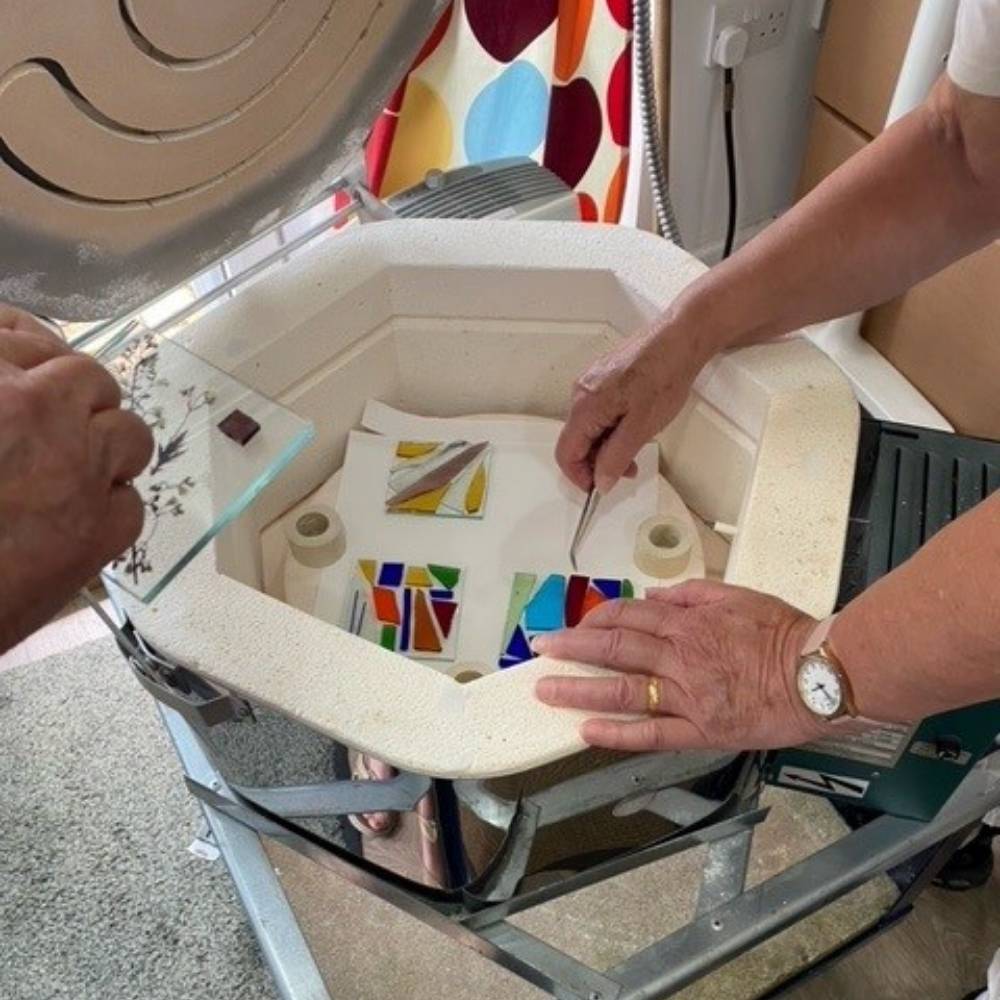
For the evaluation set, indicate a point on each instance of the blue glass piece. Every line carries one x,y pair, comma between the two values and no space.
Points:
404,635
518,646
391,575
506,662
545,610
612,589
442,595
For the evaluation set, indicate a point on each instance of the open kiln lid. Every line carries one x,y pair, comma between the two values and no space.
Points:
142,141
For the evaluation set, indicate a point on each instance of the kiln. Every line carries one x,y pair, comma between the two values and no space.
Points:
444,319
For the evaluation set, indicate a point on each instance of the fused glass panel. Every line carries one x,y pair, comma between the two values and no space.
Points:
218,443
544,604
406,610
439,478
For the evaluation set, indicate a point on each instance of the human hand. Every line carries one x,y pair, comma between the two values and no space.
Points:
67,454
626,398
723,661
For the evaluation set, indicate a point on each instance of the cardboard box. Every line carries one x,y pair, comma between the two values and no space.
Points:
832,141
943,335
863,47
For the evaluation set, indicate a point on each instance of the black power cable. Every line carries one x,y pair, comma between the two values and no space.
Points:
728,103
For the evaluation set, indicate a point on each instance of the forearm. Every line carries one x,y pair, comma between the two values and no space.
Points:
909,204
926,638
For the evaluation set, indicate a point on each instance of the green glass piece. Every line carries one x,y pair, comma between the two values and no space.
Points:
388,639
446,575
627,589
520,594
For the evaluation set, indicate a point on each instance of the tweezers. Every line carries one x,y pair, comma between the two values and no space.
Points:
586,516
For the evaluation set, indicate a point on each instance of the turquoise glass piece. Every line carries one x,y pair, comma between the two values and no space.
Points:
200,478
544,612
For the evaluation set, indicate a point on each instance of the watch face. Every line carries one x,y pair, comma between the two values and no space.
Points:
819,687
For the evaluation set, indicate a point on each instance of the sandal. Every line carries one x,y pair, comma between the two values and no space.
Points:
373,824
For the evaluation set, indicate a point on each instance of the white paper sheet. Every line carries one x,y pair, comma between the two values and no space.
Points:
529,523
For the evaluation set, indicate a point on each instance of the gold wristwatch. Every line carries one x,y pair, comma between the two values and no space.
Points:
821,681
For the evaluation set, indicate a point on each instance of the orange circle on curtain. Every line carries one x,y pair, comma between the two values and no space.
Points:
615,197
571,35
423,140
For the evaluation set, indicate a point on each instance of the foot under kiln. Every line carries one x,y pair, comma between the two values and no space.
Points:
455,318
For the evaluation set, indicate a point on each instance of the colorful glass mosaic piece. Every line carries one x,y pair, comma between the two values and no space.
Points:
448,576
575,591
391,575
476,492
417,576
535,608
425,636
386,607
441,478
405,616
415,449
444,612
520,593
404,637
593,598
545,610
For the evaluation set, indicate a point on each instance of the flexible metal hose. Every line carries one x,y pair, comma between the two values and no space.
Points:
643,41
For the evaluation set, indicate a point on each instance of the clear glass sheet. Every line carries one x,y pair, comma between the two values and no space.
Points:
200,477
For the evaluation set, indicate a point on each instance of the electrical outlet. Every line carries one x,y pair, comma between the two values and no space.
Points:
764,21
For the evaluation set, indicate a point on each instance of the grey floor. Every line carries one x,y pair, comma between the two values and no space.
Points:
99,897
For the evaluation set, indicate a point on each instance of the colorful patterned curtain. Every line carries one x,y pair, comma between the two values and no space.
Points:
544,78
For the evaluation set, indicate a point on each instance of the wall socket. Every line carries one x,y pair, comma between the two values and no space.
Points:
764,21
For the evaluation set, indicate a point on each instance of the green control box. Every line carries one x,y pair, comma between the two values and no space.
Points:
910,483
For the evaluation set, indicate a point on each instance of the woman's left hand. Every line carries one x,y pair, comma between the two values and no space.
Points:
709,665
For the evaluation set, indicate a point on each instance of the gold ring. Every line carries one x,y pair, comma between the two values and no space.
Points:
652,695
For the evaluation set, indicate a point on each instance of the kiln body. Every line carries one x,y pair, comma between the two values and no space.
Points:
450,318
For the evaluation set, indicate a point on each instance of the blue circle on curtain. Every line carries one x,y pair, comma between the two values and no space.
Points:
509,115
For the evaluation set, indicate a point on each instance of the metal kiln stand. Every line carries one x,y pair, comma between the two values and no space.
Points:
256,773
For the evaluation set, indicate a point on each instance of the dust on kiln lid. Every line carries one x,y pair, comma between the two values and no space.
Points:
140,140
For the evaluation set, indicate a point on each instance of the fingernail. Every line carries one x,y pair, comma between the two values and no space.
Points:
604,484
539,644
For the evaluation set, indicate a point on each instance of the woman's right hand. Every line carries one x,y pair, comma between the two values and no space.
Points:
626,398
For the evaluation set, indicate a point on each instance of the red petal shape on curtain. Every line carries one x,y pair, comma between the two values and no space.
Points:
574,130
505,28
588,208
621,11
440,30
620,97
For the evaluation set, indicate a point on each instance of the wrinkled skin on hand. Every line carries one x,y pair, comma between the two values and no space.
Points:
67,455
724,657
623,400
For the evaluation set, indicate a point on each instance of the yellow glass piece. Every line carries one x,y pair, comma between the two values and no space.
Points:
415,449
417,576
367,567
476,491
425,503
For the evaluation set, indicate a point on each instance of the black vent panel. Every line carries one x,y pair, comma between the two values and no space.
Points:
909,484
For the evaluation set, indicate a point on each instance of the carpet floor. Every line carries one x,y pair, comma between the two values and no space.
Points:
99,897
